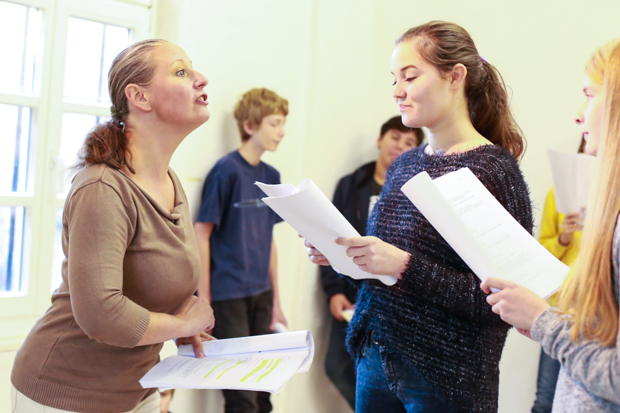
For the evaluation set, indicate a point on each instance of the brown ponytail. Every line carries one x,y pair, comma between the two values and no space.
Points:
446,44
107,143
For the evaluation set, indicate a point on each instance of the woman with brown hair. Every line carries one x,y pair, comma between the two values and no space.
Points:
430,343
582,332
131,261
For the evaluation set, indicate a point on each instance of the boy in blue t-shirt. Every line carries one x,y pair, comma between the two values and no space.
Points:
234,230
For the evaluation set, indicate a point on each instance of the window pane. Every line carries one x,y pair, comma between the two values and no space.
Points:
15,154
22,25
11,248
91,47
116,39
75,126
58,253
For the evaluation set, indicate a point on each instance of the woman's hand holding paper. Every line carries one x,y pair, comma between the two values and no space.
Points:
315,255
515,304
337,304
376,256
572,222
196,342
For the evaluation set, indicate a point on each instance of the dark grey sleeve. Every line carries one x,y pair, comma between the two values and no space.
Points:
595,366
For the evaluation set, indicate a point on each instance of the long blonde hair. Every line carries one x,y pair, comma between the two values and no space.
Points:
587,298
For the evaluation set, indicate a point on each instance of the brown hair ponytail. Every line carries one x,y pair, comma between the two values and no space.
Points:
107,143
446,44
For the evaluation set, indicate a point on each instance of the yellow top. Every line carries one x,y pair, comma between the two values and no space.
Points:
550,230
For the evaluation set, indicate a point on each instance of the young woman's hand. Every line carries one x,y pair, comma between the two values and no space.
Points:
315,255
526,333
376,256
572,222
196,342
515,304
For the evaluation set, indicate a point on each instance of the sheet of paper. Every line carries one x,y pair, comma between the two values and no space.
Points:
490,241
347,314
265,371
256,344
260,363
316,219
572,175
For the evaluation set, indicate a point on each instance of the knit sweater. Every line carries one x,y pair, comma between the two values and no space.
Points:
589,380
125,257
437,315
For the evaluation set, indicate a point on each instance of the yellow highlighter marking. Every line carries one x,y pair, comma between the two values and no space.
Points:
231,367
270,370
222,363
260,366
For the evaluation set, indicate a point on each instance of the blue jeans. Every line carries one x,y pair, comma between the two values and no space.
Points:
389,383
548,371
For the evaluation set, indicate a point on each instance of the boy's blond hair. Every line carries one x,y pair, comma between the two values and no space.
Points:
255,105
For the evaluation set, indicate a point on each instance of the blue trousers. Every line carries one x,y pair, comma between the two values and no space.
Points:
389,383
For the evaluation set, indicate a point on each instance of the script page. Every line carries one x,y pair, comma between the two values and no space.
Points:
586,165
265,371
316,219
265,363
256,344
572,175
251,344
490,241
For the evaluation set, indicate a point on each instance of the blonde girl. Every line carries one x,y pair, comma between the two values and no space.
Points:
582,333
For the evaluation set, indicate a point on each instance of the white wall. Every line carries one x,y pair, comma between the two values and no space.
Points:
331,60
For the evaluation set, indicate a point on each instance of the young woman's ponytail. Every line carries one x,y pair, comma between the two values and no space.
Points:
489,111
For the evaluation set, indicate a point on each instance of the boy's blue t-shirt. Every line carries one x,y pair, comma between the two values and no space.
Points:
243,227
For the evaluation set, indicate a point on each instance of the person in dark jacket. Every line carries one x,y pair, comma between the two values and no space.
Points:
355,196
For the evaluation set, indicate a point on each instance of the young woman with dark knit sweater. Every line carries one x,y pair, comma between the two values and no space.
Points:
431,343
131,261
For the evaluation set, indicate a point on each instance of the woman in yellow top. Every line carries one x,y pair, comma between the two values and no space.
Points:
561,235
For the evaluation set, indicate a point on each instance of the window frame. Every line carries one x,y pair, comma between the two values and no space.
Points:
19,311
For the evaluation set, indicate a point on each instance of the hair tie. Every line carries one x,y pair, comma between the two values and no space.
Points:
482,59
116,114
117,117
